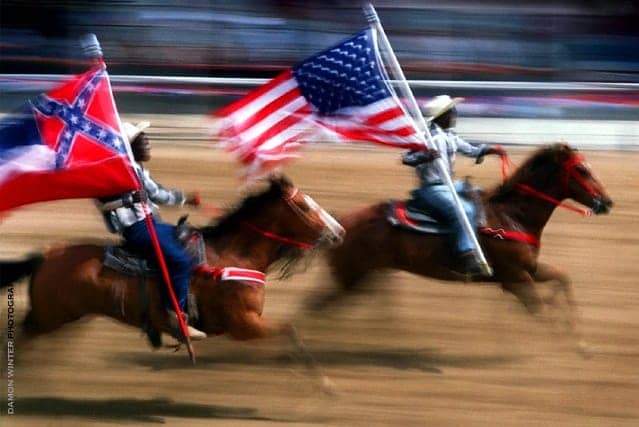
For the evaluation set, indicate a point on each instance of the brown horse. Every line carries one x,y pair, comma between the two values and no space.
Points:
516,213
273,227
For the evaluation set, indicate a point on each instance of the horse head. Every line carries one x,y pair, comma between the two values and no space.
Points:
578,181
305,222
555,173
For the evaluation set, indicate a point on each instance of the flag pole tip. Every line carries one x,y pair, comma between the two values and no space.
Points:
91,46
370,13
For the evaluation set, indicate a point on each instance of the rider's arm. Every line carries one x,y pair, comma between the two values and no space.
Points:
468,149
414,158
477,151
159,194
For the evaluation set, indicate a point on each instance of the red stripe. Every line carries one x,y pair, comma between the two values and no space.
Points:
251,96
115,176
268,109
279,127
384,116
360,135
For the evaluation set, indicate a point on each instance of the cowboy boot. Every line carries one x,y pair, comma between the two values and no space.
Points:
176,332
468,264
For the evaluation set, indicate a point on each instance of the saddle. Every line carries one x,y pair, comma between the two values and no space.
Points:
404,214
128,261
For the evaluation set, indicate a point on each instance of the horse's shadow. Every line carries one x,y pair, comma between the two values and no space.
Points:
423,360
129,410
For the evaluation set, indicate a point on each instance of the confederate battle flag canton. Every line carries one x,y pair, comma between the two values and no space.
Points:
76,123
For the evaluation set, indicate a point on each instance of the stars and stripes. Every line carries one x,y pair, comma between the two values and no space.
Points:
342,90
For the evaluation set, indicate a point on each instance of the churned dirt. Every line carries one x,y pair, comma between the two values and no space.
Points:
411,352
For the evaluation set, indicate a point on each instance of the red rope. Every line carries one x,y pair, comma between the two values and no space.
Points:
538,194
277,237
506,164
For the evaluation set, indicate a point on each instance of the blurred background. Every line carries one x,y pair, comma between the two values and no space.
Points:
544,59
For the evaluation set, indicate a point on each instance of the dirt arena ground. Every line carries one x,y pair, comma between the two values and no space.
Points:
414,352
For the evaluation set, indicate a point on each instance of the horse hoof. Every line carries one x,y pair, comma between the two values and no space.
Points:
328,387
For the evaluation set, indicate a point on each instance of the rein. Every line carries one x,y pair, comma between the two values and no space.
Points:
277,237
568,167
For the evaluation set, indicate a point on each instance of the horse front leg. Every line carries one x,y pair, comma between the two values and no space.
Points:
561,284
251,325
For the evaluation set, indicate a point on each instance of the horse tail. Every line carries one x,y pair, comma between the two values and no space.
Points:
12,271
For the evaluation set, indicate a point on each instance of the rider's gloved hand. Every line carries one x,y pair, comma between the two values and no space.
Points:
494,149
430,155
193,199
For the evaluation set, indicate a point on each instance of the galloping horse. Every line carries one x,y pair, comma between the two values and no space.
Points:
516,213
273,227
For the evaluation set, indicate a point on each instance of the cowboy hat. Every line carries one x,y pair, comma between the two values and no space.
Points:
439,105
131,131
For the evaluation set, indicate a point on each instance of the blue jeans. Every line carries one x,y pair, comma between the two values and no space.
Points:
437,201
178,261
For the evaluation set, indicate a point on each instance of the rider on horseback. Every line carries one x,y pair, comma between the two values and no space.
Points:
124,214
433,196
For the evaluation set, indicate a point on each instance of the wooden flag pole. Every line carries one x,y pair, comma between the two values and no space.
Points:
92,50
422,128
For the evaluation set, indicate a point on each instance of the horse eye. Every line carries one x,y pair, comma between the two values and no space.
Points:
582,170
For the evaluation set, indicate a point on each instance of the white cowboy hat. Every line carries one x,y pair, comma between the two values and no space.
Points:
439,105
131,131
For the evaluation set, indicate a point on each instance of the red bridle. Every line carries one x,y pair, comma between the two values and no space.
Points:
569,167
279,238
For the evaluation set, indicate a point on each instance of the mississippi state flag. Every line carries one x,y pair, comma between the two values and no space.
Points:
341,91
65,144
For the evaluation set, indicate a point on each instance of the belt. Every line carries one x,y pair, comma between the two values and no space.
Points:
127,200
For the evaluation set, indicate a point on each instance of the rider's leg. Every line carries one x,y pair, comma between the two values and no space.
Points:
441,204
177,260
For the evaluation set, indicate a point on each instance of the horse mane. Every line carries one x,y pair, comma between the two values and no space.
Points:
544,163
247,208
288,257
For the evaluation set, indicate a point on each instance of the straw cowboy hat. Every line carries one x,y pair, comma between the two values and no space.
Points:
131,131
439,105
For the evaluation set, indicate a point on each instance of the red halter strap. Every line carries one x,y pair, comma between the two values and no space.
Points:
517,236
277,237
569,167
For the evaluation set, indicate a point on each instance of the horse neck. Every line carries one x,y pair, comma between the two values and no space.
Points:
527,211
242,243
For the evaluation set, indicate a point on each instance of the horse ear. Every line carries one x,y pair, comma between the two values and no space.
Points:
566,150
285,181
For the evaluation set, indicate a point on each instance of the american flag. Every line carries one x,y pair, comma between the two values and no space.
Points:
342,90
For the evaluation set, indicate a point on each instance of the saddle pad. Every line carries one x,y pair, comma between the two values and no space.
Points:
399,216
119,259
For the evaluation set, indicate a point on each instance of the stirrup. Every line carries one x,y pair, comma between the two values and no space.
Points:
176,332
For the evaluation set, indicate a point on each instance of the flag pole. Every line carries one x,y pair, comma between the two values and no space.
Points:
92,49
420,125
